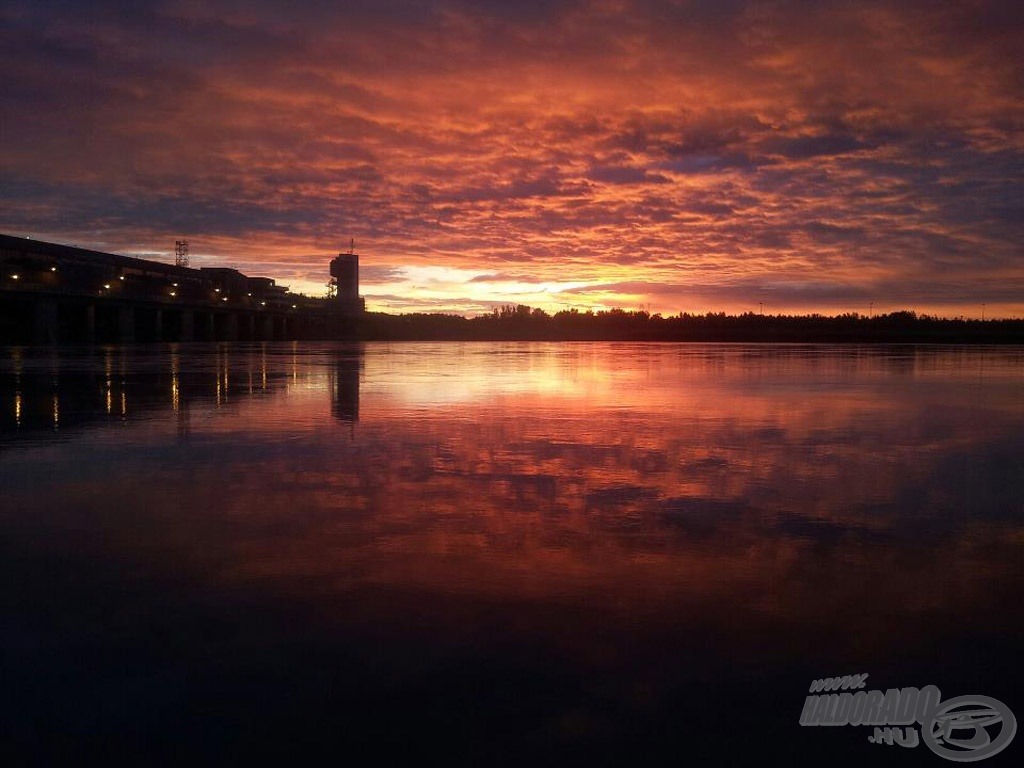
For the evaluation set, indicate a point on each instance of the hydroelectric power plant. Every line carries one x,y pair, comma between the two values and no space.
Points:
51,293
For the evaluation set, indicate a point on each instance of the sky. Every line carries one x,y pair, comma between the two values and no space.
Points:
665,155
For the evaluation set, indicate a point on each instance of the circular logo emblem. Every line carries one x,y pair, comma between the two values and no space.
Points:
969,728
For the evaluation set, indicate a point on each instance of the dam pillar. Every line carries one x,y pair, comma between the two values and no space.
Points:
90,324
231,327
44,321
125,325
188,326
206,326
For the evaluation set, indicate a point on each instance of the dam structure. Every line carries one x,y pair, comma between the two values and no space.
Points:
52,293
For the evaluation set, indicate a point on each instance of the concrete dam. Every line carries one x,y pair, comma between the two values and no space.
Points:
52,293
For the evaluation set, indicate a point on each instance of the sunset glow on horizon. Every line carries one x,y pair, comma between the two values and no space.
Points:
668,155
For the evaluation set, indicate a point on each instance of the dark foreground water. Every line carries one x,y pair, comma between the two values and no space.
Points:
523,554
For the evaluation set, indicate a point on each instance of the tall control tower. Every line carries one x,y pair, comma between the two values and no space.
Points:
345,271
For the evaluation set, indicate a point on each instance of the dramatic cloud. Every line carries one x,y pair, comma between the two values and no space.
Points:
683,155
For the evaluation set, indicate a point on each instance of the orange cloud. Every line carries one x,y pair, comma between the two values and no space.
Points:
813,157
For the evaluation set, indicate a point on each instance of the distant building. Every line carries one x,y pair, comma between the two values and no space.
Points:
345,271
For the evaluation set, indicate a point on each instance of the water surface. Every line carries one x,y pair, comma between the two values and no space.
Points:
603,553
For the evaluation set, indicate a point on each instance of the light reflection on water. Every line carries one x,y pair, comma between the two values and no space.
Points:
617,523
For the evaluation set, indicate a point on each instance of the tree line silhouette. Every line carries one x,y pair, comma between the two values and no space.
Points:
524,323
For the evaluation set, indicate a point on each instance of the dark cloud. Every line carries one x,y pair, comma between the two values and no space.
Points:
374,273
612,174
803,147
